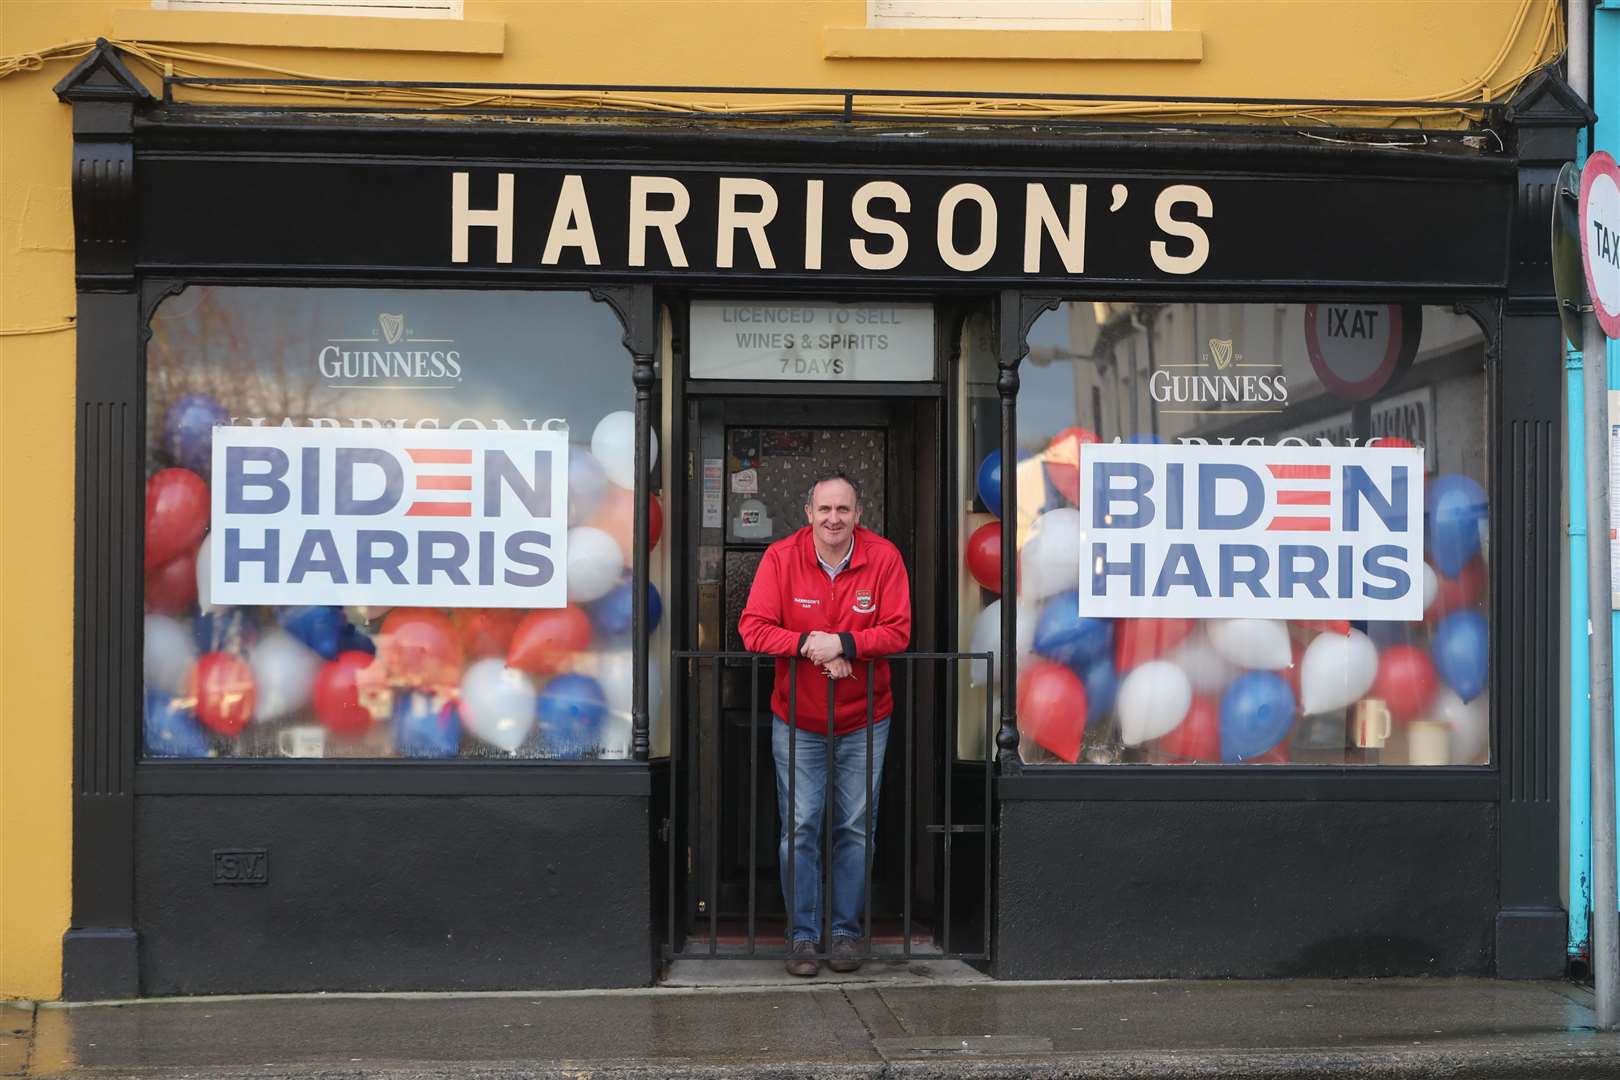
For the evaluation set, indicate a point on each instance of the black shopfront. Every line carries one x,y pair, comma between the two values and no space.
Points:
707,314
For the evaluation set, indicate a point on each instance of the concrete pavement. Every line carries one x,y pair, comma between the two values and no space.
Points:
735,1019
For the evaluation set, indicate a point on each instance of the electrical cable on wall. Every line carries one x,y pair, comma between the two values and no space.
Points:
1490,86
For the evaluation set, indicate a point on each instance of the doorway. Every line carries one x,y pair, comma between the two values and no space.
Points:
751,460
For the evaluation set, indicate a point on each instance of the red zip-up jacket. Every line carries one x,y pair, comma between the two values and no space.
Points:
868,605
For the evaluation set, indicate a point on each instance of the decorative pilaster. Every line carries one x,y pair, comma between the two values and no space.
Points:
99,949
1015,313
638,311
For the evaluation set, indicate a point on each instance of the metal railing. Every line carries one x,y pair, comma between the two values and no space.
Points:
944,663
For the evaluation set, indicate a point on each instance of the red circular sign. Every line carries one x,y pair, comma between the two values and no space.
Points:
1358,349
1600,238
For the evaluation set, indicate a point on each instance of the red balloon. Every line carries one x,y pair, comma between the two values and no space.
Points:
223,686
172,587
485,631
1062,460
419,647
1052,708
655,521
346,691
1198,736
1136,641
545,639
1277,755
1460,593
1390,441
984,555
1406,681
176,514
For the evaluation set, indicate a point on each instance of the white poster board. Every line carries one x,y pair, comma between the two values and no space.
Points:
1272,532
389,516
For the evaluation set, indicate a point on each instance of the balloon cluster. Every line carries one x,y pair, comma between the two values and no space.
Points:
1226,690
378,681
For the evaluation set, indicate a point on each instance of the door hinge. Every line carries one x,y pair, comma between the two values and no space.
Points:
665,830
691,469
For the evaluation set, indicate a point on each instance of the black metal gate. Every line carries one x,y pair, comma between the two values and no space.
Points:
689,917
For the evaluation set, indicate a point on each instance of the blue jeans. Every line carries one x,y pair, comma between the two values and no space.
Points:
850,850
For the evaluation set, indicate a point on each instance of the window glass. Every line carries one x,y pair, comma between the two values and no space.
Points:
1252,533
401,639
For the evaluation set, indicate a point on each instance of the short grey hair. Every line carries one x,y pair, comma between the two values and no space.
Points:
831,474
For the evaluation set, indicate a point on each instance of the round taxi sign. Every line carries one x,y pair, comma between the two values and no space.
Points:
1600,238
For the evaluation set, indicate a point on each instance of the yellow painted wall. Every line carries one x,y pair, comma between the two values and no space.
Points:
1305,48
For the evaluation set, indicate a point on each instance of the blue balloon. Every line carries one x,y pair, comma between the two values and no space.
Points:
1102,687
426,725
571,709
321,628
170,730
352,639
1062,634
188,430
232,630
989,480
1256,713
1455,507
611,614
1144,438
1462,652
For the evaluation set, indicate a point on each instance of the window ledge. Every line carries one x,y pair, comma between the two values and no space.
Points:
859,43
312,31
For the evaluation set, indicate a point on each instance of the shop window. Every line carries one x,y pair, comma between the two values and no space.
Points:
1019,14
1249,533
388,524
393,9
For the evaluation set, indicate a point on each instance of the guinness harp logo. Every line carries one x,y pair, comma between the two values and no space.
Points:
393,328
1220,350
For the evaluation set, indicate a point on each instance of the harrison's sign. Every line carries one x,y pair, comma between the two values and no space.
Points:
1091,222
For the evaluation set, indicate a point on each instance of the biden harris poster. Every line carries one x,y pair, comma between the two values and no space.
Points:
389,516
1277,532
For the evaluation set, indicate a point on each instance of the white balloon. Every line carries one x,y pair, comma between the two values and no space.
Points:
986,637
1207,670
587,483
1336,670
1152,700
204,561
1470,724
614,444
169,654
1260,644
1431,586
615,671
497,703
1051,557
595,564
284,670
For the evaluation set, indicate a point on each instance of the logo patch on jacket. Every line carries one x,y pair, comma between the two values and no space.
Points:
863,604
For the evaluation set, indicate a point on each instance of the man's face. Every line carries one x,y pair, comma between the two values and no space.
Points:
833,513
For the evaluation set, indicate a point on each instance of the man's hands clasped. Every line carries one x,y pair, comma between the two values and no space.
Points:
826,651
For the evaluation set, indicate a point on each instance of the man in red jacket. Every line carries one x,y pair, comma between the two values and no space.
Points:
830,601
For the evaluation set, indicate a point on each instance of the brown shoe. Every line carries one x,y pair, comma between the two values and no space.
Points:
803,962
846,955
